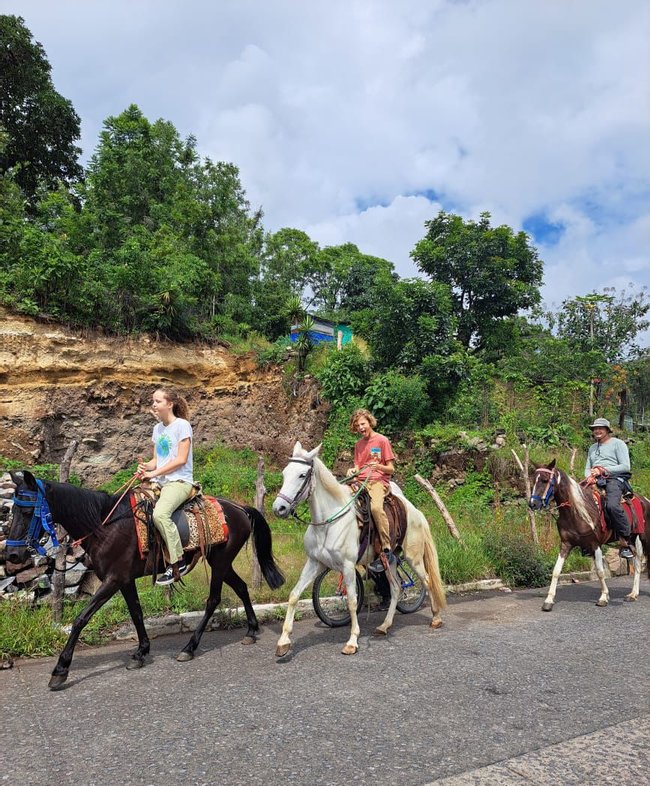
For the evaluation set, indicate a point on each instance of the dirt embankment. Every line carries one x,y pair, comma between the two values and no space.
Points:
57,385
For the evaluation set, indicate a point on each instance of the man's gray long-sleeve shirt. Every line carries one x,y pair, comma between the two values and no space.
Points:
613,455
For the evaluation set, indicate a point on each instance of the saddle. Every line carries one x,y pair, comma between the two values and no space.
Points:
396,514
200,521
630,503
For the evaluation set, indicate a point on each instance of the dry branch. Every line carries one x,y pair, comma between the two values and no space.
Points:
524,471
451,526
58,579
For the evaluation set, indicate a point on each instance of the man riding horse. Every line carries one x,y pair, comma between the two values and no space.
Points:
608,464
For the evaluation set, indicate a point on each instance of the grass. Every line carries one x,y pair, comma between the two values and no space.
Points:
497,543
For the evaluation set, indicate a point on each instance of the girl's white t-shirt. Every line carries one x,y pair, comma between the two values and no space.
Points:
166,440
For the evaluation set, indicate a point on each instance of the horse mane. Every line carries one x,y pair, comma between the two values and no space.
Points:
86,507
330,483
577,499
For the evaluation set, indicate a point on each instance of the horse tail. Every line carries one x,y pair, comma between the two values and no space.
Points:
263,548
430,556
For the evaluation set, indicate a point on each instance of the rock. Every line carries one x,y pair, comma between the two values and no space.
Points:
25,576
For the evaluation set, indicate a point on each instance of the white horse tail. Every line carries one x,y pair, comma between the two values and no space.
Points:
430,556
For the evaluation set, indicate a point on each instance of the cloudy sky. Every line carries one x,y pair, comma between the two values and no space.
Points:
357,120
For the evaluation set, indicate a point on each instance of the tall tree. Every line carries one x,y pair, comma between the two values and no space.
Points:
492,272
42,126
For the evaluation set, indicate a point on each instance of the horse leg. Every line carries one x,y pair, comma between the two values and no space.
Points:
603,600
214,599
238,584
310,570
565,548
350,578
105,592
130,594
395,589
638,559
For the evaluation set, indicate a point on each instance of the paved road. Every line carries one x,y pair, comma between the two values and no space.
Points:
501,694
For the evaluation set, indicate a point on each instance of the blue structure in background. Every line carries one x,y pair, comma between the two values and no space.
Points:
325,330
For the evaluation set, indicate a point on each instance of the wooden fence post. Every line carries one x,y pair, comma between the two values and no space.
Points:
260,493
524,471
451,526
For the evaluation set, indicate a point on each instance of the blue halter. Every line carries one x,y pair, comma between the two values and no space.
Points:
41,520
550,486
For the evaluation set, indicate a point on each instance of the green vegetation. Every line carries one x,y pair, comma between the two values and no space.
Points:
153,237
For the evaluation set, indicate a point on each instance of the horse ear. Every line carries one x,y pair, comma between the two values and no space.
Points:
297,449
313,453
29,480
16,477
551,465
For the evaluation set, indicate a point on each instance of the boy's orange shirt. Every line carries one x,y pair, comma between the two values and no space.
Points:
376,448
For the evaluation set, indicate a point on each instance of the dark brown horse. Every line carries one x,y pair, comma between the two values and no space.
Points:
114,554
580,525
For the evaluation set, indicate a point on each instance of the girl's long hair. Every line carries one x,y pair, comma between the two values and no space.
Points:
180,407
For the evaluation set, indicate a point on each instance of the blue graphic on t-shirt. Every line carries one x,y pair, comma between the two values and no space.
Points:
163,446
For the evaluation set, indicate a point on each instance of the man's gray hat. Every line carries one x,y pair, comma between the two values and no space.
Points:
601,423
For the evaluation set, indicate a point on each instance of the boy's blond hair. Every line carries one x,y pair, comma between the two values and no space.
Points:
362,413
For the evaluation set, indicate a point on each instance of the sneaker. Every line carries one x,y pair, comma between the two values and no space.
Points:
183,567
626,553
377,566
168,576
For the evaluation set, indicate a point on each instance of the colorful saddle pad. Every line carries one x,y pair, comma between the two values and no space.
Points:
200,521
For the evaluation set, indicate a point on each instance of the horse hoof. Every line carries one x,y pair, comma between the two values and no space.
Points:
281,650
601,603
629,598
184,656
57,681
135,663
436,623
248,640
379,631
349,649
547,607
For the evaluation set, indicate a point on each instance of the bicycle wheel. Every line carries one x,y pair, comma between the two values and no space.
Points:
329,596
413,589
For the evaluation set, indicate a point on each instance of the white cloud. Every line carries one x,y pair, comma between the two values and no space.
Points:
331,107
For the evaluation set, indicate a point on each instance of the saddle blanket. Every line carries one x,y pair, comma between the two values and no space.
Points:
200,522
633,510
636,518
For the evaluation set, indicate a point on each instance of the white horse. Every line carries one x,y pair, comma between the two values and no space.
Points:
332,541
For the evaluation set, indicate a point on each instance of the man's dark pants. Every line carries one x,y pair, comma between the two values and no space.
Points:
615,512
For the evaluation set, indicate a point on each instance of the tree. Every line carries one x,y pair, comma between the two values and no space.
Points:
492,272
605,322
42,126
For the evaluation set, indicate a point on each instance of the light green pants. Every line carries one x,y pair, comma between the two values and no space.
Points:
172,495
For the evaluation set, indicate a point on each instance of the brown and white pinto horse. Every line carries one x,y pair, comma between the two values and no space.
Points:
580,525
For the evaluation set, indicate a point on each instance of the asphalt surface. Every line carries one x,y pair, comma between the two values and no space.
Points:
502,694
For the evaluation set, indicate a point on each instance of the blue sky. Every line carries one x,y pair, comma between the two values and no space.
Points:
358,120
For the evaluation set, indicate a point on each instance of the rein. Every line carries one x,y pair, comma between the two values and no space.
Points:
307,484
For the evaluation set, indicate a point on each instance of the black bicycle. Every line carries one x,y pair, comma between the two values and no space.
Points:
329,593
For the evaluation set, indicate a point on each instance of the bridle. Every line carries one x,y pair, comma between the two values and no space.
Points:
305,491
41,521
553,478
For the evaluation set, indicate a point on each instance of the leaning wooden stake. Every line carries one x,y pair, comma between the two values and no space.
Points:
572,462
58,580
260,493
441,507
524,471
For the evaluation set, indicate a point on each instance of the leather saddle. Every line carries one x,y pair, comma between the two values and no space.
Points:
396,514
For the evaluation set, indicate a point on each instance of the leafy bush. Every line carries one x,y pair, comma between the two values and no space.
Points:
516,560
344,375
275,354
397,401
